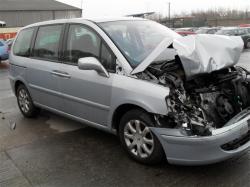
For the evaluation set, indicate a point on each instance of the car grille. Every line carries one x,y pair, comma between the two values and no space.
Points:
237,142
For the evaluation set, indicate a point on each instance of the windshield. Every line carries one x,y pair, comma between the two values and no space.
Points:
137,39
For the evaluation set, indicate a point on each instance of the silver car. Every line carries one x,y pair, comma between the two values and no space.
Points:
165,96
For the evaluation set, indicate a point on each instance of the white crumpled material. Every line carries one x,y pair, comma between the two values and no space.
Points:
206,53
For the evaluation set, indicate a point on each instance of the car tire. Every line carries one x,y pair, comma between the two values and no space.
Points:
138,140
25,102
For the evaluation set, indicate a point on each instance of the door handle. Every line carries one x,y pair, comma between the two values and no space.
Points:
61,74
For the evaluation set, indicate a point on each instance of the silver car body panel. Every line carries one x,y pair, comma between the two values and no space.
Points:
87,97
204,53
129,90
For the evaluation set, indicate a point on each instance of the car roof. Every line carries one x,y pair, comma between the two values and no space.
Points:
95,20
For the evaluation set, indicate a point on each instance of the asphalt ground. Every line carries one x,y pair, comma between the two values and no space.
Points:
54,151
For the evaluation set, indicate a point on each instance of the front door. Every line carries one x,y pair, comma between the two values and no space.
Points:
86,93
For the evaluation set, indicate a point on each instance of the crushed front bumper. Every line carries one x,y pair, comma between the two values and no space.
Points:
224,143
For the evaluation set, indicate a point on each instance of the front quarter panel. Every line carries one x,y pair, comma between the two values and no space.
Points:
149,96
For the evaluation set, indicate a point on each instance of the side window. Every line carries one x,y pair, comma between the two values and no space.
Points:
23,43
47,42
107,58
82,42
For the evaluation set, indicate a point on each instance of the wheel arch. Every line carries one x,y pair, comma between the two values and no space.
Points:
17,83
120,111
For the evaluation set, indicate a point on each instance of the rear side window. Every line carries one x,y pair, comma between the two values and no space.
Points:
23,43
1,44
47,42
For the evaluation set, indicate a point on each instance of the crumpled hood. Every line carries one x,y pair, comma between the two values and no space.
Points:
207,53
201,53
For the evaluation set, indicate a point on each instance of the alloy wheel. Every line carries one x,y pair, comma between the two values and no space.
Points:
24,100
138,138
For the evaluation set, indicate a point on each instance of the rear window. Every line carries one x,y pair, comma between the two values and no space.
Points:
23,42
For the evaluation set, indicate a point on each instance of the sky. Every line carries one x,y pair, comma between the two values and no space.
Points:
98,8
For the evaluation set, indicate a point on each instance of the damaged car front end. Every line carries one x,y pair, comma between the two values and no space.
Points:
208,105
208,114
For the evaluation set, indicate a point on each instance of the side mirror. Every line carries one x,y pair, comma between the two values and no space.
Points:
91,63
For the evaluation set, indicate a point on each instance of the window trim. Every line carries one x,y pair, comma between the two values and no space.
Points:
102,41
103,44
58,60
31,41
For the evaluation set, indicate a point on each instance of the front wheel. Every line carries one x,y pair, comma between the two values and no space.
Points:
138,140
25,102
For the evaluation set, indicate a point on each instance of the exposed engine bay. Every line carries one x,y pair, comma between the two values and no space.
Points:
203,103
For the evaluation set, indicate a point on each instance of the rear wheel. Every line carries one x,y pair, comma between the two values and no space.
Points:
138,140
25,102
